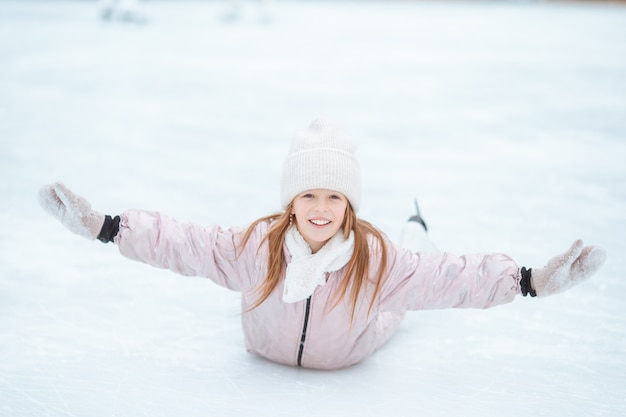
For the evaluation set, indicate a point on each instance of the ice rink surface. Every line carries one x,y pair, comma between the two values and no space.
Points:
506,119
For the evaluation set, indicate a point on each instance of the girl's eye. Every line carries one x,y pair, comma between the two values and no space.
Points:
335,197
308,195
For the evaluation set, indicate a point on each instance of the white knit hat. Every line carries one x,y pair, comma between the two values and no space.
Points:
321,156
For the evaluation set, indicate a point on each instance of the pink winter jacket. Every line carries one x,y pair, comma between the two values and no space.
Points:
309,333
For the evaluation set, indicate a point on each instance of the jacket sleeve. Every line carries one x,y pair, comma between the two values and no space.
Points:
419,281
188,248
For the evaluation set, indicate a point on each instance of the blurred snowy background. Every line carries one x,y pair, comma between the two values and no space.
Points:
506,119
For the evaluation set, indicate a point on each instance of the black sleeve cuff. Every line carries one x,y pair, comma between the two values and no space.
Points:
110,228
525,282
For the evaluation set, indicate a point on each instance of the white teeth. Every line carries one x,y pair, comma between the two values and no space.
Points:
320,222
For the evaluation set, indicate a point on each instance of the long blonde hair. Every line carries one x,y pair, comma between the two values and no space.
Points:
358,268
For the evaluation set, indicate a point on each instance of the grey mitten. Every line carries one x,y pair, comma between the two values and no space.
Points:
570,268
73,211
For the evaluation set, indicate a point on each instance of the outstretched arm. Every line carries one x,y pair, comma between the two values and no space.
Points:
161,241
442,280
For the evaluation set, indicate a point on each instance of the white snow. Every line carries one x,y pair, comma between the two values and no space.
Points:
507,120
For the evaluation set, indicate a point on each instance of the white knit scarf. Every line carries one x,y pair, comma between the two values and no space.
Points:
308,270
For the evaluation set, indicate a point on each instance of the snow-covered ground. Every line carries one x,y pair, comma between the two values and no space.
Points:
506,120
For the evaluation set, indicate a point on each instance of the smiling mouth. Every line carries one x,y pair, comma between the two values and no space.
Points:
320,222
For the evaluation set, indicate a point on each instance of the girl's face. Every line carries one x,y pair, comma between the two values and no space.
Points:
319,215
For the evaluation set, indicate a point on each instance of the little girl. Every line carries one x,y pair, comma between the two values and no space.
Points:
320,287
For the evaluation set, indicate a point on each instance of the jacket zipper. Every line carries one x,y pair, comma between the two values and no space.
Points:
304,326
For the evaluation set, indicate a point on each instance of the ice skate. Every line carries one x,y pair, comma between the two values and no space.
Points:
414,234
417,217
